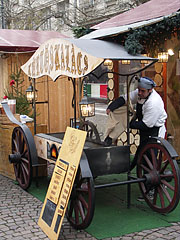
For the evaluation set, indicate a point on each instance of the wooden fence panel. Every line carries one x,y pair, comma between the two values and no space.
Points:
54,108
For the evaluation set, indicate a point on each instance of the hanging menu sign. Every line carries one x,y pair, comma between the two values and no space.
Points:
54,207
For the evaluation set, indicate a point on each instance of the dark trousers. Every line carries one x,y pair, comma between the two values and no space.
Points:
144,138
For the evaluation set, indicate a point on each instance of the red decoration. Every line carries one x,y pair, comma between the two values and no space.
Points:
12,82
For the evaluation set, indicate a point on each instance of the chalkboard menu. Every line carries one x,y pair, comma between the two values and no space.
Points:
62,180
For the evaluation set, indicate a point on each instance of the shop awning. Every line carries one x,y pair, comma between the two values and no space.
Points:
113,31
106,50
146,11
146,14
24,40
74,57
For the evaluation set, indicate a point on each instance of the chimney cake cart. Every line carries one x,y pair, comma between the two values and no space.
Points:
157,168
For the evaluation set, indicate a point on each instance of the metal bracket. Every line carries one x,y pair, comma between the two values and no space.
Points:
84,165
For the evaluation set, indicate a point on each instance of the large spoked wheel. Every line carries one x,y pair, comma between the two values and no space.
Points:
22,165
92,132
161,188
81,205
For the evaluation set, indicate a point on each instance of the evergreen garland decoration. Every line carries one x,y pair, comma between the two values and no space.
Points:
147,39
151,38
80,31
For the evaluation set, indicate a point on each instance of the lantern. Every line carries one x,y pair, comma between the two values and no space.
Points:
87,107
30,93
163,57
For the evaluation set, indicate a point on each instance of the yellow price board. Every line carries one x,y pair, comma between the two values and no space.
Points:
59,191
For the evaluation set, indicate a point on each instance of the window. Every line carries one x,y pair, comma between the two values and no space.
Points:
46,12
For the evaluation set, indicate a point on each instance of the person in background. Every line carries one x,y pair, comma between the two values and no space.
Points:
150,113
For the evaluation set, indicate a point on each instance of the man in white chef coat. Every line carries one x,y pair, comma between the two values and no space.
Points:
150,113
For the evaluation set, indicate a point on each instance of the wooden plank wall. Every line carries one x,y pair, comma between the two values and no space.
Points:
57,112
3,76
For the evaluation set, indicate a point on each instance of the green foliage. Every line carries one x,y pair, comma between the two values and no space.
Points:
132,44
16,91
80,31
151,38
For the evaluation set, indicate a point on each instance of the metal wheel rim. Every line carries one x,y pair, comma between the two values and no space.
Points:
23,169
166,194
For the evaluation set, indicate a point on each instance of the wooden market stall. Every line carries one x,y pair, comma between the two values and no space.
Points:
16,48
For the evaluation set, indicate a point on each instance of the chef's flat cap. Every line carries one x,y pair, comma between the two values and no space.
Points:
147,83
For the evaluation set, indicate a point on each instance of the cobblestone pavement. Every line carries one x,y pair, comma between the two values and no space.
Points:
19,213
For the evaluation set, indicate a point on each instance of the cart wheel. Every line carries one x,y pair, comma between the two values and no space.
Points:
81,205
23,166
161,188
92,132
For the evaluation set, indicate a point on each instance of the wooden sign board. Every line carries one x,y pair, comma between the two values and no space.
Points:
60,57
59,191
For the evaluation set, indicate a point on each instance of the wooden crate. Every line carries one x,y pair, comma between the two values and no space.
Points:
6,130
6,168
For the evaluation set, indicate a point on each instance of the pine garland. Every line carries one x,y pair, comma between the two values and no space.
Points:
151,38
80,31
144,39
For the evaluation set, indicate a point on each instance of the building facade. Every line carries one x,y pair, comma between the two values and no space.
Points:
59,15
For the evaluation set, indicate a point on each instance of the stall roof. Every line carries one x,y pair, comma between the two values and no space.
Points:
106,32
75,58
105,49
149,10
24,40
143,15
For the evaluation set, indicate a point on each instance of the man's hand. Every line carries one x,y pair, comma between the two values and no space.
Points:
108,111
138,125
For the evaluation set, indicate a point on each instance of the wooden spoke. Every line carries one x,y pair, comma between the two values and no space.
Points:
81,210
23,168
153,158
145,168
168,185
155,197
76,215
25,154
161,188
148,161
83,201
166,193
159,157
166,163
15,146
161,197
81,205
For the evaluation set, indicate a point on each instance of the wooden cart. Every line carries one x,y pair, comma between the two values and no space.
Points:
157,168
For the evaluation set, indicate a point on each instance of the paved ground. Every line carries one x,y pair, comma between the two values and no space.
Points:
19,213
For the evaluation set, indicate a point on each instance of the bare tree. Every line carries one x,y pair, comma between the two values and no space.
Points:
56,14
35,15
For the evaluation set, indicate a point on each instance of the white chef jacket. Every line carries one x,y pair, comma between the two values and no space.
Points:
154,114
